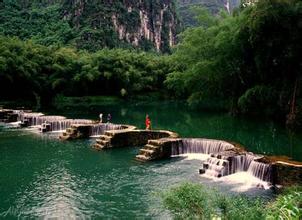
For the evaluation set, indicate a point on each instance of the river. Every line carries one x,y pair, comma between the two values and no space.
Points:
41,176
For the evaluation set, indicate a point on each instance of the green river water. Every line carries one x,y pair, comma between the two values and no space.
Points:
41,176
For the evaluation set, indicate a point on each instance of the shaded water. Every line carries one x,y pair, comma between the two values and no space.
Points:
256,134
41,176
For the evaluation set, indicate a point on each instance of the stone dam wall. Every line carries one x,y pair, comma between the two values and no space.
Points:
225,158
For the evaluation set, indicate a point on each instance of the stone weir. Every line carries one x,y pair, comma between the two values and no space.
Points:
80,131
9,115
225,158
130,137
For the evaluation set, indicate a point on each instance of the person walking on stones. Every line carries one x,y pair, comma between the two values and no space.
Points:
148,122
108,118
101,117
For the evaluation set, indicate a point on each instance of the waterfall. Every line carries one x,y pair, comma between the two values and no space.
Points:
41,119
216,167
99,129
61,125
227,165
222,160
31,117
261,170
240,162
204,146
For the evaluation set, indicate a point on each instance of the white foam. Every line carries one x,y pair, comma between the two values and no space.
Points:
59,131
193,156
243,181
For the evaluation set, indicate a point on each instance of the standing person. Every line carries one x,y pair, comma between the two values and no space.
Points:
101,117
148,122
108,118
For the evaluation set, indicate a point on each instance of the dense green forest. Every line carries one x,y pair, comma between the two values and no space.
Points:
34,72
93,24
188,9
250,60
248,63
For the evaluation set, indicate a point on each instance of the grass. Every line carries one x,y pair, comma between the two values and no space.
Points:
193,201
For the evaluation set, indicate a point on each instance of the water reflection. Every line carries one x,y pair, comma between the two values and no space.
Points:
45,178
257,135
55,193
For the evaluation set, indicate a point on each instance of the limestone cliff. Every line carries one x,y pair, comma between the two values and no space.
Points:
214,6
139,23
93,24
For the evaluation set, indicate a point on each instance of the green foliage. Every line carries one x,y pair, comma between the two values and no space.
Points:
82,24
41,24
250,59
259,99
187,201
84,102
31,71
241,208
288,205
193,201
189,10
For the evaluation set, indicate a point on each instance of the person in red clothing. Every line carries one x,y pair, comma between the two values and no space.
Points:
148,123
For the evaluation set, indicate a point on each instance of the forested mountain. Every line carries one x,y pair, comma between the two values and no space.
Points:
214,6
251,59
246,62
96,24
92,24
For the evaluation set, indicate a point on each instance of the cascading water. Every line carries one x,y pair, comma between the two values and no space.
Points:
31,117
222,158
204,146
99,129
61,125
261,170
42,119
213,166
35,119
241,163
216,167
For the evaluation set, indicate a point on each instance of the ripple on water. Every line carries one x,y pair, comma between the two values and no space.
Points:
69,180
55,194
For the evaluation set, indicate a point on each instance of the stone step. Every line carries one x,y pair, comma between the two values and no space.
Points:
146,152
105,137
151,147
97,146
217,168
214,160
213,173
101,141
155,142
205,165
202,171
142,158
109,134
70,130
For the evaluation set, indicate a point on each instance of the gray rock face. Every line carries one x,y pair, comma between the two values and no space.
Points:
135,22
214,6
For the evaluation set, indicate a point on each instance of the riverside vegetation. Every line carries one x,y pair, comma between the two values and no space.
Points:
193,201
229,60
244,63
